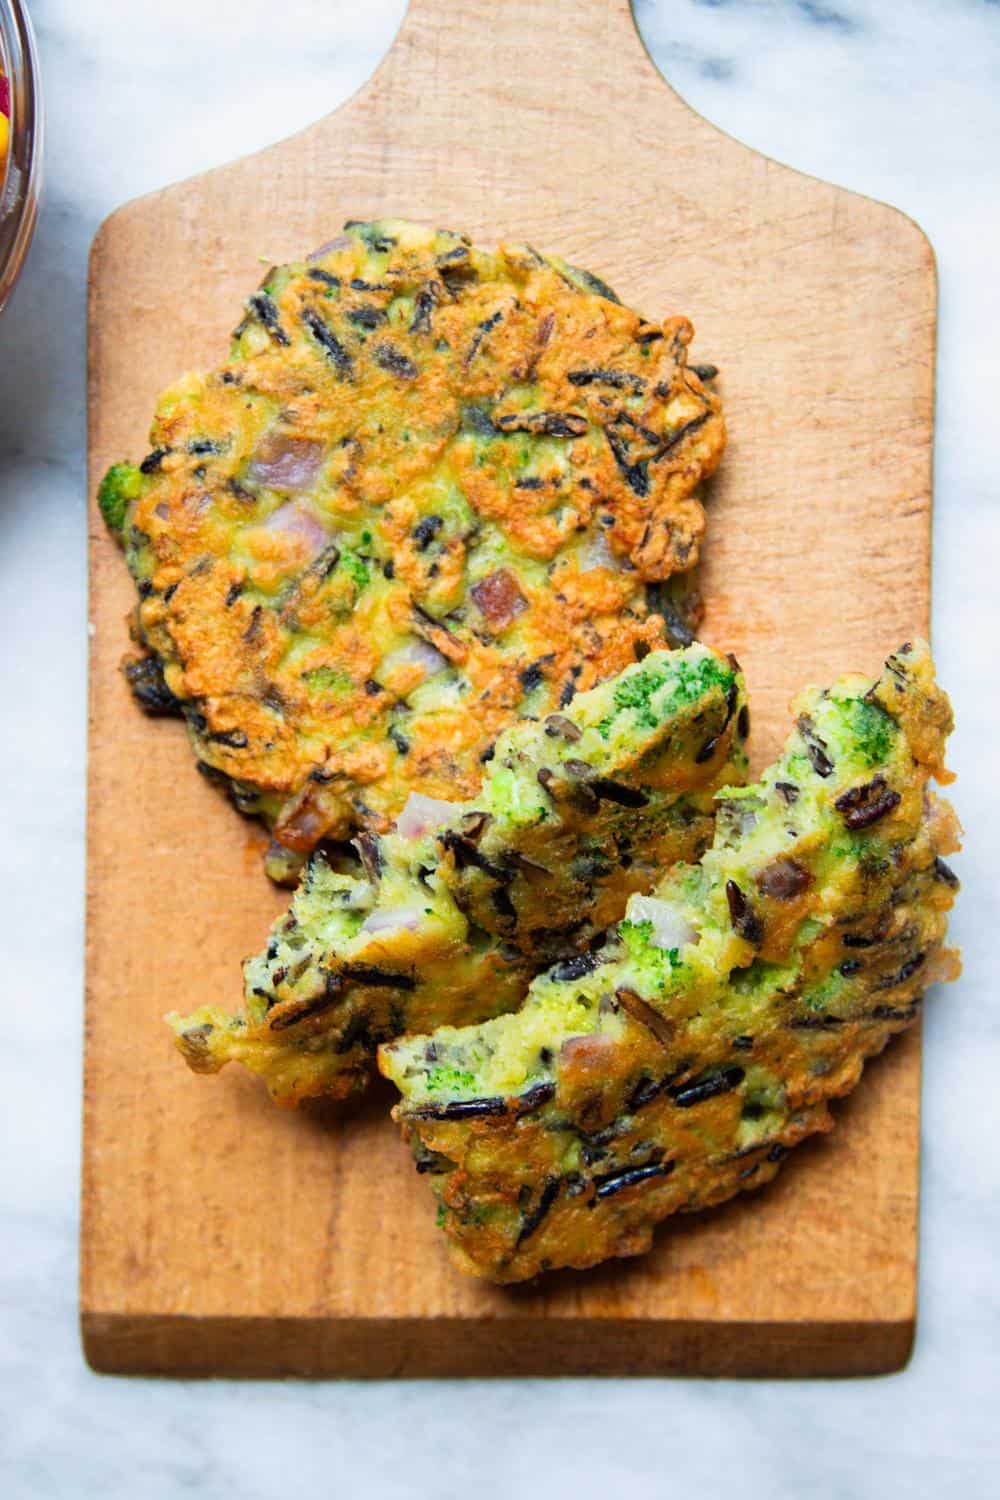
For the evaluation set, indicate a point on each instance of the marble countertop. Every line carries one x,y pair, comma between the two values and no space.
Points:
900,101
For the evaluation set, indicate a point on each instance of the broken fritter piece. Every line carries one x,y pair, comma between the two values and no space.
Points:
464,903
428,494
722,1016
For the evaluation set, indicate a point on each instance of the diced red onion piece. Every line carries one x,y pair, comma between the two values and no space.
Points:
416,653
596,553
420,814
341,242
286,463
407,917
302,826
360,896
292,520
499,598
671,928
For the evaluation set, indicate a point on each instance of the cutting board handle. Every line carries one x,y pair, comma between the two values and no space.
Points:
592,41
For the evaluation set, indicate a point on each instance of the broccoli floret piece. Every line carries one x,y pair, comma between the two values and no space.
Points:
636,693
328,679
449,1080
695,678
872,729
356,569
655,965
120,485
688,681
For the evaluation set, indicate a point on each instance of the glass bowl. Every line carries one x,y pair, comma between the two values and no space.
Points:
20,173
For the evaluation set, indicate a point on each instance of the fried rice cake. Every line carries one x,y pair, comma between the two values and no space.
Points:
464,903
433,489
710,1033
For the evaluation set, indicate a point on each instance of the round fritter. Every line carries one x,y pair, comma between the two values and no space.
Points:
428,494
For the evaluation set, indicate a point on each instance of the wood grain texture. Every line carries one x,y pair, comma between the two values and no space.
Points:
222,1236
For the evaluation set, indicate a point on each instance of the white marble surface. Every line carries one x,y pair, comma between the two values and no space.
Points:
897,98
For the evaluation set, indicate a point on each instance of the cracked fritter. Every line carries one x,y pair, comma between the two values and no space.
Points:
708,1036
461,905
433,489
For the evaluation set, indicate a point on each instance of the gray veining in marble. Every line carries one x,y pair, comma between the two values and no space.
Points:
899,99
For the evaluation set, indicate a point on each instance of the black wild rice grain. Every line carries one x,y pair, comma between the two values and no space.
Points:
366,317
614,1182
614,791
635,475
424,303
685,1096
399,739
329,343
644,1092
547,423
355,1031
389,358
379,242
745,920
645,1015
682,432
895,1012
595,284
462,1109
465,853
235,739
534,1217
620,380
534,1098
576,968
153,460
369,849
816,749
480,332
300,1009
262,305
862,806
149,689
533,675
378,978
890,981
426,530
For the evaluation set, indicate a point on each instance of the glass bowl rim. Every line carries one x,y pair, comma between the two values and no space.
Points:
19,190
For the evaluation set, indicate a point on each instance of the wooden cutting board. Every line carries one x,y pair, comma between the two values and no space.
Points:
221,1236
